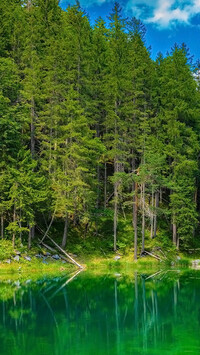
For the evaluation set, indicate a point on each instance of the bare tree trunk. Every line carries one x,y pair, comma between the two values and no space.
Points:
135,214
174,229
105,185
155,214
152,213
2,227
161,193
98,186
32,127
115,214
14,219
33,232
29,238
177,242
115,184
64,239
20,225
143,215
195,201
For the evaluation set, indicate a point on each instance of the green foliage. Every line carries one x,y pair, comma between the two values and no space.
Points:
6,249
92,131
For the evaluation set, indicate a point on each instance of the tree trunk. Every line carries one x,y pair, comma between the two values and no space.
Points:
33,232
105,185
2,226
155,214
64,240
20,225
152,213
32,127
29,238
135,213
14,219
174,233
143,215
115,214
177,242
161,193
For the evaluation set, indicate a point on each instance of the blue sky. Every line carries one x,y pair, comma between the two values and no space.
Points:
167,21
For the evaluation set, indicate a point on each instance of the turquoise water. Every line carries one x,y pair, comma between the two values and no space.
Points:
102,315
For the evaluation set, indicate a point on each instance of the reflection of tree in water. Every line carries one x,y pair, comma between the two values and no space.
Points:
102,315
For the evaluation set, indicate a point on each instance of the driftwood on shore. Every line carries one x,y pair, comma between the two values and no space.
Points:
58,247
152,255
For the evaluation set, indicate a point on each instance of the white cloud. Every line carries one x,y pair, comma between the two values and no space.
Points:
165,13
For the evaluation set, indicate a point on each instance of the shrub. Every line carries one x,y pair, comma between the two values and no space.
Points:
6,249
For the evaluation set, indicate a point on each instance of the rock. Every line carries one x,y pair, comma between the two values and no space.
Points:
39,256
56,257
16,258
64,262
47,254
172,263
178,258
8,261
117,275
117,257
196,262
28,258
17,252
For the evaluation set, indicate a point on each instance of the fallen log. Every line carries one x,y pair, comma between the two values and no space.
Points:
153,256
61,249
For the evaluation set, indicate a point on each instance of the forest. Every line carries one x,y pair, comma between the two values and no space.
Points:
98,141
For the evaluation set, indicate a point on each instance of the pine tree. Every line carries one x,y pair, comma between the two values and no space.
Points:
115,88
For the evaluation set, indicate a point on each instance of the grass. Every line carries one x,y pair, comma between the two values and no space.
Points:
98,260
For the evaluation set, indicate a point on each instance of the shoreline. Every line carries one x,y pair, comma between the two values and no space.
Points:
37,269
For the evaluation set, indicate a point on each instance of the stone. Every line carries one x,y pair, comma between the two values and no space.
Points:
39,256
178,258
196,262
117,257
28,258
8,261
17,252
56,257
64,262
16,258
47,254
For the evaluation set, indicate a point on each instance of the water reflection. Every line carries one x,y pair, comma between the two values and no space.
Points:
106,314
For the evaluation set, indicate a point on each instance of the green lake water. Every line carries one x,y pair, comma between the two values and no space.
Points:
102,315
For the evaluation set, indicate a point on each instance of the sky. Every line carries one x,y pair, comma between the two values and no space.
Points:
167,21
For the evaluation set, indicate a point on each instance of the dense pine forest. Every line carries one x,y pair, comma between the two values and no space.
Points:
98,142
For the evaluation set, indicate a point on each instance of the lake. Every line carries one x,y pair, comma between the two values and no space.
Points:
102,314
